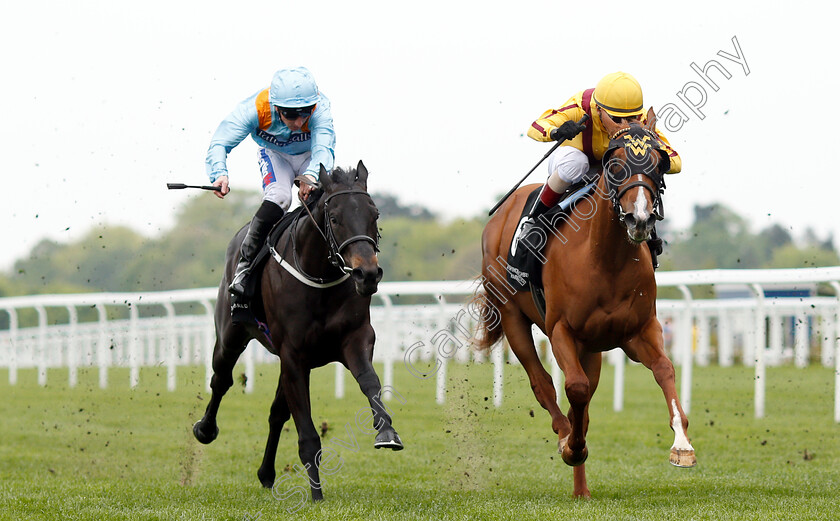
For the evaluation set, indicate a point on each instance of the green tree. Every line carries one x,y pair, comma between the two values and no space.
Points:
430,250
192,253
94,262
790,256
389,207
718,238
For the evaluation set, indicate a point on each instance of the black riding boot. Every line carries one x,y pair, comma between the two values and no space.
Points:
538,209
655,245
267,214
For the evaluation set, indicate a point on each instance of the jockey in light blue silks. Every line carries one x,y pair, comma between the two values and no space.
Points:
292,124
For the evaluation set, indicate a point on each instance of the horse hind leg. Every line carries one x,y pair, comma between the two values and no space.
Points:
648,349
295,380
278,416
682,452
225,355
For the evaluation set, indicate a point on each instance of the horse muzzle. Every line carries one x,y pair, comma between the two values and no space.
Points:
638,231
366,278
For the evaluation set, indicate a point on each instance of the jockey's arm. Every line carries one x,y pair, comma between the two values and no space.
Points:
323,140
540,129
676,162
230,132
322,147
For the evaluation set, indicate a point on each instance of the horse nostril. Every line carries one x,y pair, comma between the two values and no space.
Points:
362,276
630,220
651,221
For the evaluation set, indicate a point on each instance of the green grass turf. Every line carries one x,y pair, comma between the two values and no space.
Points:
86,453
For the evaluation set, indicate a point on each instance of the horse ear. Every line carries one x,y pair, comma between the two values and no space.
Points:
361,174
607,121
324,177
650,120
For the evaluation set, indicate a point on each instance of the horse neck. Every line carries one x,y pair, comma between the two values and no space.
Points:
608,241
310,247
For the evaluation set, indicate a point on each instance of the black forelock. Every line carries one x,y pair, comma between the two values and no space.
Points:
342,176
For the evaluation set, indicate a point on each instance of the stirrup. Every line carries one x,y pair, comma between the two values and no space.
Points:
528,225
239,285
237,289
526,228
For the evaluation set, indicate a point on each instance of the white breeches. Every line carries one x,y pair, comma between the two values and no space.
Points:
278,172
566,166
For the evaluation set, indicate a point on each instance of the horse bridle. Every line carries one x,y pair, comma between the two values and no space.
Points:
334,255
655,175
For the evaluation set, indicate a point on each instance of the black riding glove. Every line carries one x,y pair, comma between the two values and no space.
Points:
567,131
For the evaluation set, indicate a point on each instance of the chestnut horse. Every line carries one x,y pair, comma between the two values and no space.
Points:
316,306
600,291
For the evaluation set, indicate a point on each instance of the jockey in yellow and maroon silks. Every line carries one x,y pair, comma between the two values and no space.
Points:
618,94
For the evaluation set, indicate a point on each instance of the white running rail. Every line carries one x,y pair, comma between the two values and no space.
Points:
425,326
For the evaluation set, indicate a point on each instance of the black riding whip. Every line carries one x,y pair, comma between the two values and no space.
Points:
583,120
181,186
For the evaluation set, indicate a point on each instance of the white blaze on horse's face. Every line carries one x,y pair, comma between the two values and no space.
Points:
638,219
637,227
640,208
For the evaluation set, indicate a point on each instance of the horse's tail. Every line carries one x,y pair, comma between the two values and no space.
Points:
489,331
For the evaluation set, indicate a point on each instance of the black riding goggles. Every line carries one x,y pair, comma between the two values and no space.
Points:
294,113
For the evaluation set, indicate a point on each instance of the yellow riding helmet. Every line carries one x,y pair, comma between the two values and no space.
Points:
620,95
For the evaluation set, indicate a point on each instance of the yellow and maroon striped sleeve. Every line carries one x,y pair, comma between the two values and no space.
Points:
540,129
676,161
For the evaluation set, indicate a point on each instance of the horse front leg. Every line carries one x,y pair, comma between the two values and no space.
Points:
517,329
574,451
591,363
648,348
358,356
278,416
294,378
225,355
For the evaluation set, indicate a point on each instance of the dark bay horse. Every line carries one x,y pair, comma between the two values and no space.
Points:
600,291
316,306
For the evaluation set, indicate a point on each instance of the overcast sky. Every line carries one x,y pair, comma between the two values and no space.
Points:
102,103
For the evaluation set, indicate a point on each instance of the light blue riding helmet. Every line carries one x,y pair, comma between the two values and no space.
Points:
293,88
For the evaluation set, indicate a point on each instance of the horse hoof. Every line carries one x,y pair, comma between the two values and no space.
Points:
202,436
582,494
266,479
572,458
683,458
388,440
